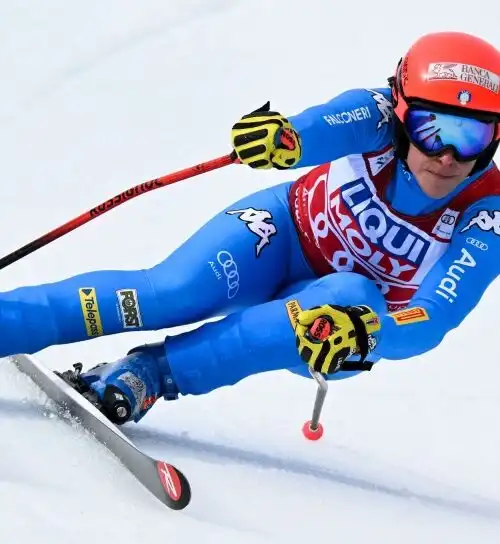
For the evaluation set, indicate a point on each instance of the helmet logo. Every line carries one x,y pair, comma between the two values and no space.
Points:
442,70
464,97
466,73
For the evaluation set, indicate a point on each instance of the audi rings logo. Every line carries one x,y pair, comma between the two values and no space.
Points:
448,219
477,243
225,259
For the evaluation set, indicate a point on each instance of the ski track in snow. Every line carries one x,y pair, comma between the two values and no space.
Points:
97,95
221,454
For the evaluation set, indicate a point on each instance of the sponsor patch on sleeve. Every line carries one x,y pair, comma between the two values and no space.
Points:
293,309
128,305
90,310
410,315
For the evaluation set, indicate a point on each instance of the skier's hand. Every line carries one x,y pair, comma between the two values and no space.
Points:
265,139
327,335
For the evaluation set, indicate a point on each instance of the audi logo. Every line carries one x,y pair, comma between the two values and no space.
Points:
448,219
477,243
225,259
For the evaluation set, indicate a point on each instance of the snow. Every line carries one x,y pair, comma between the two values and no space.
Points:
99,96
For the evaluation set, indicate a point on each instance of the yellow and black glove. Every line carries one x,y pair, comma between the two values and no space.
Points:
265,139
327,335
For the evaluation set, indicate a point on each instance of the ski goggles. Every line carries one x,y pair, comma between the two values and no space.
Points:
434,132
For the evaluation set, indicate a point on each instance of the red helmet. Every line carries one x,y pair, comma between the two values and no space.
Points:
453,71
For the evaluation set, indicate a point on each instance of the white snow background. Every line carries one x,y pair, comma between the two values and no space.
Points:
98,96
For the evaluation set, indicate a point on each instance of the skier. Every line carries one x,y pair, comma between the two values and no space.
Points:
377,252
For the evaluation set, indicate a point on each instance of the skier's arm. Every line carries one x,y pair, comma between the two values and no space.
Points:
452,288
356,121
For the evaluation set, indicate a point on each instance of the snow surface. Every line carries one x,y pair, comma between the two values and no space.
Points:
98,96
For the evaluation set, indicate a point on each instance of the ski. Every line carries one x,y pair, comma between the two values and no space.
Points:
166,482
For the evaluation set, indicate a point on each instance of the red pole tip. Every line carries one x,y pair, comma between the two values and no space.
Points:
312,434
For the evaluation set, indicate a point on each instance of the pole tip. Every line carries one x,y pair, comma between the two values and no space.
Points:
310,433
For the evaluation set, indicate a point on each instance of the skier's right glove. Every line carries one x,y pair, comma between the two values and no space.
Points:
328,335
265,139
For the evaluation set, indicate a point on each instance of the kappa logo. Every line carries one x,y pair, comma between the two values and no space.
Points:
128,304
379,162
258,222
384,106
448,285
486,220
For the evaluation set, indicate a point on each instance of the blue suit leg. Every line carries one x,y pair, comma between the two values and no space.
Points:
260,338
241,257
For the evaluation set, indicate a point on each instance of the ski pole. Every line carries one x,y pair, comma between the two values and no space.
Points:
112,203
312,429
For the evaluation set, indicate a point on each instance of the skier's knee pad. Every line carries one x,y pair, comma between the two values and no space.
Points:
342,289
351,289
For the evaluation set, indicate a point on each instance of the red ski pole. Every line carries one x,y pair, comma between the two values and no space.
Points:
112,203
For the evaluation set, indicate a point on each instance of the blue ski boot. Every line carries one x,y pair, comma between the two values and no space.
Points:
126,389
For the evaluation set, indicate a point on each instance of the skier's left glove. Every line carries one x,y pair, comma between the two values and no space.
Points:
327,335
265,139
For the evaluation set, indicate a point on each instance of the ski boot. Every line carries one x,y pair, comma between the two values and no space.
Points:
126,389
